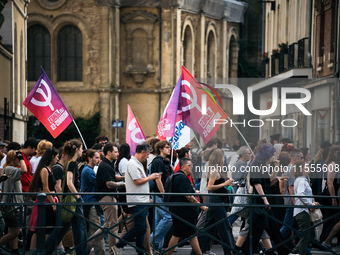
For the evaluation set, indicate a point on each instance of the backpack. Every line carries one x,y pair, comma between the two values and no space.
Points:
152,183
168,186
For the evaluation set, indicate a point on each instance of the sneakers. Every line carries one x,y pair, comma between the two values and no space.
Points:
117,251
209,253
327,246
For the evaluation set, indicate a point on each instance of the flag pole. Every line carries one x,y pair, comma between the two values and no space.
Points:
80,134
172,154
197,140
242,136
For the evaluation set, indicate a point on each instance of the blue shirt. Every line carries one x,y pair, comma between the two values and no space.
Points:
88,184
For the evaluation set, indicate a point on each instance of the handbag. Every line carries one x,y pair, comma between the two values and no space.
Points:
243,200
315,215
67,215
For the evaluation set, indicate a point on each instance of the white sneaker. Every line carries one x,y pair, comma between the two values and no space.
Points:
209,253
117,251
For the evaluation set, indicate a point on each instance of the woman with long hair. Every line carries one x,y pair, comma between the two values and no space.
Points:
73,150
261,181
14,168
123,159
44,182
217,184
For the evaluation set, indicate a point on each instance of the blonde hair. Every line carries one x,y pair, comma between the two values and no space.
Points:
43,145
216,158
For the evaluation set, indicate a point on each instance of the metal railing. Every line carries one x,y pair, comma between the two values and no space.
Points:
41,226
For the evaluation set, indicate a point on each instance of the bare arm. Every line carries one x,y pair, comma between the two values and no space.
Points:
330,180
144,180
291,192
120,178
212,187
70,185
44,180
192,199
57,186
282,186
23,166
114,185
160,185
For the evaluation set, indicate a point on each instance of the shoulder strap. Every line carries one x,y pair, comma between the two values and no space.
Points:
65,176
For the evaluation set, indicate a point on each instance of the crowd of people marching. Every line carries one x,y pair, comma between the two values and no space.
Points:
100,176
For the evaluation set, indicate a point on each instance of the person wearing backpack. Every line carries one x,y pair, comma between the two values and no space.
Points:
180,183
163,221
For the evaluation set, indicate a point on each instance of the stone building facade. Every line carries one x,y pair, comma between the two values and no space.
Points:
13,83
301,41
104,54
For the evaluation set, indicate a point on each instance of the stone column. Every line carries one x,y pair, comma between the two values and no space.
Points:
105,110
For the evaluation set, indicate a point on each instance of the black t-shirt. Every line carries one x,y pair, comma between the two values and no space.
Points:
58,171
161,165
105,173
73,168
259,176
182,184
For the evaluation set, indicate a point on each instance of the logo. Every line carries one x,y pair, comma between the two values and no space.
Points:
135,130
48,97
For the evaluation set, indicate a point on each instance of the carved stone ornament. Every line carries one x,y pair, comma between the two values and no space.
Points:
139,27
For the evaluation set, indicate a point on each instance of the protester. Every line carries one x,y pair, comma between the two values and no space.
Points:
217,184
152,141
14,168
88,184
101,139
163,220
58,170
73,150
181,184
123,159
296,156
137,182
44,182
28,150
302,188
107,182
42,146
260,180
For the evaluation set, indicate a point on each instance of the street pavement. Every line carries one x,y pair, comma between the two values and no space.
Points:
217,249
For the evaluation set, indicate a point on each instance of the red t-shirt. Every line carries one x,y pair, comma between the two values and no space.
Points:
27,177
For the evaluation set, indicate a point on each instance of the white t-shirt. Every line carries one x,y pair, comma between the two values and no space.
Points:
35,162
135,171
122,166
3,161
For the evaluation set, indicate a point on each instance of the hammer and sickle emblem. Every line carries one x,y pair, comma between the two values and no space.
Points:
135,130
193,100
48,97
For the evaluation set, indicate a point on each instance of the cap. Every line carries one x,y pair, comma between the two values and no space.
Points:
2,144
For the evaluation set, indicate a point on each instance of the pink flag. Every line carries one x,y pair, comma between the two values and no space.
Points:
167,124
46,105
190,105
134,132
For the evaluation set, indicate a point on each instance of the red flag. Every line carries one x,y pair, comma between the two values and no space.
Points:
190,105
134,132
46,105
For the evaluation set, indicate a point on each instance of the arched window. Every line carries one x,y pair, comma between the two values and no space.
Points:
187,49
233,56
39,45
70,54
211,56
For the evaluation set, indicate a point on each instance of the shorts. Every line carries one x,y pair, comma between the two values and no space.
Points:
181,229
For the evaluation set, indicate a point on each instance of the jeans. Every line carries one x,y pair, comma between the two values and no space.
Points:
289,220
138,229
79,232
163,223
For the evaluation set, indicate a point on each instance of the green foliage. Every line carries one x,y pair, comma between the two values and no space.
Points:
89,128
